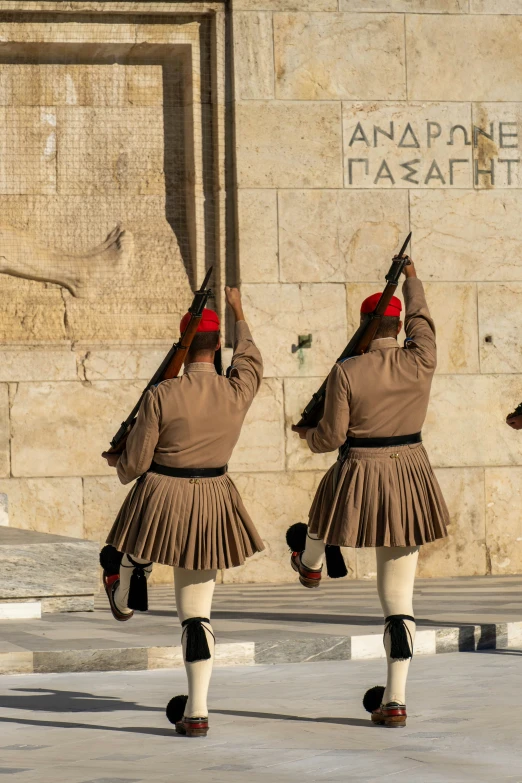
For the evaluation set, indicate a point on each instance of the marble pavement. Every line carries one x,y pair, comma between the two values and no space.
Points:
288,724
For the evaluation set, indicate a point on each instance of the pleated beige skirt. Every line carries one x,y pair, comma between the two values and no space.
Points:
194,524
384,497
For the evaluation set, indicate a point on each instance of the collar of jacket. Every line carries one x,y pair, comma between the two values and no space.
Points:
200,367
383,342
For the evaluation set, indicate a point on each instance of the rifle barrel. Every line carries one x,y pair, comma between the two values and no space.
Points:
313,411
199,301
405,245
207,279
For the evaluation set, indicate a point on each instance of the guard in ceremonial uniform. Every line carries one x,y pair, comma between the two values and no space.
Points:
184,509
381,492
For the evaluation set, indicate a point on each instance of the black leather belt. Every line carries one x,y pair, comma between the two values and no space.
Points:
187,472
381,443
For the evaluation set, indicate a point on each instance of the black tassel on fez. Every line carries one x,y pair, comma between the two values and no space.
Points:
335,565
138,595
400,637
197,645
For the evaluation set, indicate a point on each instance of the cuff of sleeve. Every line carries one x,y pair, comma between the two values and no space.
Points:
310,438
242,331
121,473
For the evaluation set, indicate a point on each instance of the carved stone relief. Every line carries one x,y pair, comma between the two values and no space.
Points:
106,186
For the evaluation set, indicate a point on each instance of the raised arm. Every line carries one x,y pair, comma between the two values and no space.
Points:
138,454
419,326
247,365
332,430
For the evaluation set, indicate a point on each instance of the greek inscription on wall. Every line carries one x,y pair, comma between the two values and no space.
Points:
436,145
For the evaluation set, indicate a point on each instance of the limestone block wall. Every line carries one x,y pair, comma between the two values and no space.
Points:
357,121
111,167
354,121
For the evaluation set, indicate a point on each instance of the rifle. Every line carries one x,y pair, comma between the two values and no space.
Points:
362,338
171,364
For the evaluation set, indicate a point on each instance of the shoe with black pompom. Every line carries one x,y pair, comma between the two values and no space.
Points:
391,715
296,540
187,727
110,560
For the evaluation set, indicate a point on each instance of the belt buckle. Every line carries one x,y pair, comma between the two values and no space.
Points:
194,481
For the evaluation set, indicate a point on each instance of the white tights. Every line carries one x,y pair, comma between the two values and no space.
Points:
194,591
396,567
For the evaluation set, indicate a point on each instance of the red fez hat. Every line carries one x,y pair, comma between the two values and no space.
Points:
209,322
369,305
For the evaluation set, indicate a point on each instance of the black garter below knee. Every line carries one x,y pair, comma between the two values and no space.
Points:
197,648
138,593
401,646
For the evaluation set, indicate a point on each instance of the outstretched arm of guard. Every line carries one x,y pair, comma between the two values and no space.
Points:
247,365
419,326
138,454
332,430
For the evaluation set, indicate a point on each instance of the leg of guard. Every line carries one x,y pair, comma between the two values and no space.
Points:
194,592
313,555
121,596
396,568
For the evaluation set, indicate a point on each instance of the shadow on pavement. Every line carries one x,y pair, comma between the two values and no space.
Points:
277,716
95,726
322,619
49,700
502,651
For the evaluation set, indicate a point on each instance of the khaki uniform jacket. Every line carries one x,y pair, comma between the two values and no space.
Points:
386,391
381,496
193,421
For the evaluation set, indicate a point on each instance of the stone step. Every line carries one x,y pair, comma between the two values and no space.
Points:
58,572
306,649
20,610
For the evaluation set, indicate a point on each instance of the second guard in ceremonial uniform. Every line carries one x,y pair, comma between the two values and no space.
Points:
382,492
184,509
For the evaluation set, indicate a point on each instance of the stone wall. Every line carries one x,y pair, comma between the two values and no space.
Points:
357,121
354,122
111,169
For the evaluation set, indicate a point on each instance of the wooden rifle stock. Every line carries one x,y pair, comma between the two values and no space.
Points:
362,338
170,366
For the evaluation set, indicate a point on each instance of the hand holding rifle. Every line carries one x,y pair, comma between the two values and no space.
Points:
233,297
112,458
514,420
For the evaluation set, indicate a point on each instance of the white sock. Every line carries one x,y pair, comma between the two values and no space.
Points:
194,592
121,594
313,555
397,670
396,567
